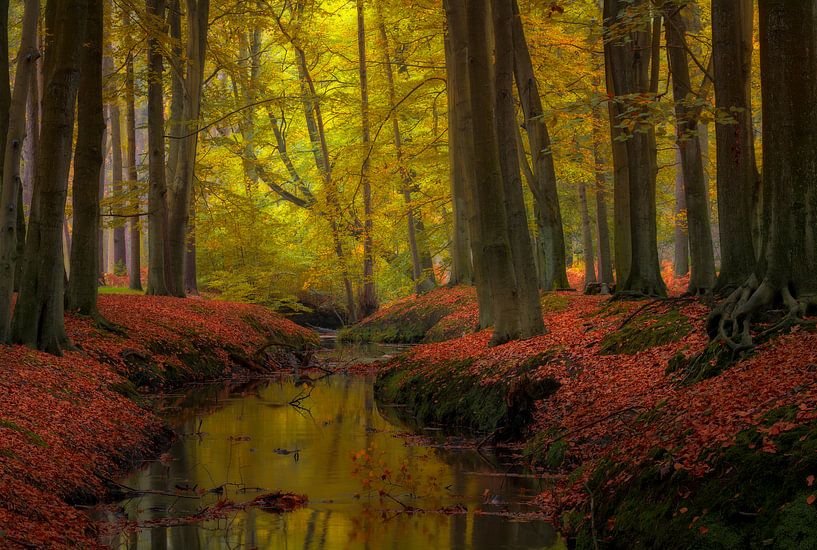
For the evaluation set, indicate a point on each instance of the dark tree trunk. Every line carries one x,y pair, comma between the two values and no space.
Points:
732,22
602,226
38,316
549,220
788,64
587,238
629,69
462,270
495,249
182,191
696,189
134,224
368,296
530,310
680,241
83,282
157,195
11,194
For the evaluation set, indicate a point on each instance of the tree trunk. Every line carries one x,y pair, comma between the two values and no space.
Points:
134,223
38,315
587,237
157,195
629,70
368,297
602,227
181,192
680,239
462,270
524,268
495,250
10,196
551,231
732,23
696,190
83,283
459,82
788,68
117,188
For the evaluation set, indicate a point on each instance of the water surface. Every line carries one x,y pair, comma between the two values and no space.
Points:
336,446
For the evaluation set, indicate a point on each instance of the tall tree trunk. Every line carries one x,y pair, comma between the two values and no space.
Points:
462,270
551,231
629,70
732,23
10,196
38,315
459,82
424,280
788,69
587,237
602,227
83,285
696,190
134,223
157,195
524,268
191,285
368,297
495,250
680,236
31,144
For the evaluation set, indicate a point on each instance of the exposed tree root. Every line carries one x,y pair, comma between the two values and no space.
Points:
732,321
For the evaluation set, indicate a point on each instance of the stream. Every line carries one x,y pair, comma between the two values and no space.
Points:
370,480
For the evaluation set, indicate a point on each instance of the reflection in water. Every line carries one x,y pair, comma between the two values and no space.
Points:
252,438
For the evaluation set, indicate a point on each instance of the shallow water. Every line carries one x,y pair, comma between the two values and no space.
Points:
335,447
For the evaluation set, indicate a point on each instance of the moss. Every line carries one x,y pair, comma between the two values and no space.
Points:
647,331
454,398
32,437
125,388
554,303
749,499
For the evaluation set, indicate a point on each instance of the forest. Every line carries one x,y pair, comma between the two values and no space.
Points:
418,274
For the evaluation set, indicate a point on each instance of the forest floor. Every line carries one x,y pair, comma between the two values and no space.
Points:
639,445
69,424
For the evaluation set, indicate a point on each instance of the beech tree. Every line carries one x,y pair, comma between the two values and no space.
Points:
785,273
38,314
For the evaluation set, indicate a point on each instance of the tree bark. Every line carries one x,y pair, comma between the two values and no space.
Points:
788,69
181,192
462,270
551,231
495,250
83,283
157,195
696,191
10,196
368,296
38,314
602,227
629,69
732,27
459,82
524,268
587,237
680,239
134,224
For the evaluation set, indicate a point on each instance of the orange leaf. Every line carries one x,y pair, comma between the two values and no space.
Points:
810,480
810,499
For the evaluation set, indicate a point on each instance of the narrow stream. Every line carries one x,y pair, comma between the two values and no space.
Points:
361,470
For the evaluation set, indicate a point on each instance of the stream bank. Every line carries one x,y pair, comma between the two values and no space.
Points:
643,446
69,424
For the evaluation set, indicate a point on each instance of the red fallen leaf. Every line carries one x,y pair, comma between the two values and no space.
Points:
810,480
703,530
684,510
810,499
